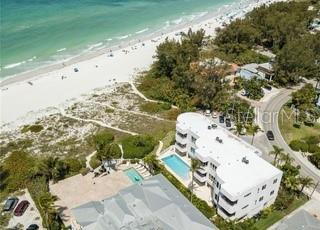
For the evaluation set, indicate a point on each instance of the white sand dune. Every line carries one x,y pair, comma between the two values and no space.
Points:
23,99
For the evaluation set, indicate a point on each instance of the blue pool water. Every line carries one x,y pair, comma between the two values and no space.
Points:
134,176
177,165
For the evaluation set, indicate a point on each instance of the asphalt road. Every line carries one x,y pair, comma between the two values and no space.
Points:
269,115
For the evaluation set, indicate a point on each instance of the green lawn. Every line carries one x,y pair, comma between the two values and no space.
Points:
278,215
289,132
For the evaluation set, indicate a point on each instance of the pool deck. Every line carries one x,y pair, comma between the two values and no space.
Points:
202,192
79,189
186,160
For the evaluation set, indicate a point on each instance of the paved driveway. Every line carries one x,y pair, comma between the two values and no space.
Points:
31,215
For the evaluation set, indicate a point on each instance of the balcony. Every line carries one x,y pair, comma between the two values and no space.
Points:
183,136
226,206
180,139
225,214
200,176
226,199
181,148
180,145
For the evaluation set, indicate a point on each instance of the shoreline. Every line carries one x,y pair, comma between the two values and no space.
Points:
27,95
29,74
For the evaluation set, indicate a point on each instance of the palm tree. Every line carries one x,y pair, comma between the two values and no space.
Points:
255,129
305,182
286,158
291,183
195,164
46,203
276,152
152,162
239,127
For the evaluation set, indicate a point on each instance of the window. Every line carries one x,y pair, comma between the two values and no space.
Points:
213,166
192,150
264,187
247,194
193,139
245,206
275,181
258,190
265,204
217,184
261,198
272,192
211,177
216,197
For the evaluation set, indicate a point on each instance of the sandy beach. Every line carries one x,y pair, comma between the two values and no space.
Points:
30,95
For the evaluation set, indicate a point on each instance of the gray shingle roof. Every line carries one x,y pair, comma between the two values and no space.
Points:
300,220
153,204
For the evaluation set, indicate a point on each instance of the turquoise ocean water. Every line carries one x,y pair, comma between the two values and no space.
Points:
35,33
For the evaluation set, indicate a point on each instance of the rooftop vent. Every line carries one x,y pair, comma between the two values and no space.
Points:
219,140
245,160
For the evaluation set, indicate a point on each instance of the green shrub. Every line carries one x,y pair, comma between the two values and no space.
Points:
102,138
95,162
315,159
109,110
32,128
74,165
153,107
84,171
298,145
313,140
313,148
304,147
137,146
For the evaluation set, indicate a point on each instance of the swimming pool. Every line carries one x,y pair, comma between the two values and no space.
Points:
133,174
176,164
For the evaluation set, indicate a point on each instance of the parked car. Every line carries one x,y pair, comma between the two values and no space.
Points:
270,135
214,115
221,119
228,122
207,113
10,204
33,227
21,208
268,87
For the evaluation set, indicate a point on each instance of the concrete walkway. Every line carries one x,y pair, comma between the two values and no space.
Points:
88,158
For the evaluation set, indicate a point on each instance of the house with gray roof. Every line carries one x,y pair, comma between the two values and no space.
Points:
300,220
152,204
260,71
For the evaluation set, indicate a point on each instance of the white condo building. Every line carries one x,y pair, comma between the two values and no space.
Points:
241,182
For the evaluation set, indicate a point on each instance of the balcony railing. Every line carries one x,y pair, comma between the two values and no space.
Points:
226,199
226,212
200,177
181,145
182,135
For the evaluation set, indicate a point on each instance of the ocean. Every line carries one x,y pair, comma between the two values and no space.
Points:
36,33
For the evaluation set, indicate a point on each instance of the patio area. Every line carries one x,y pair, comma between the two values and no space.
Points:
203,192
79,189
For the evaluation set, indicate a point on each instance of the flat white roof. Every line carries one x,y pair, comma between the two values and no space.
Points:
237,175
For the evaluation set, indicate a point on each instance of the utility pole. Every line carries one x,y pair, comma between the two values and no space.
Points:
315,187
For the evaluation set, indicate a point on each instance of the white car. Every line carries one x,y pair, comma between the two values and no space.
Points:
208,113
214,115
